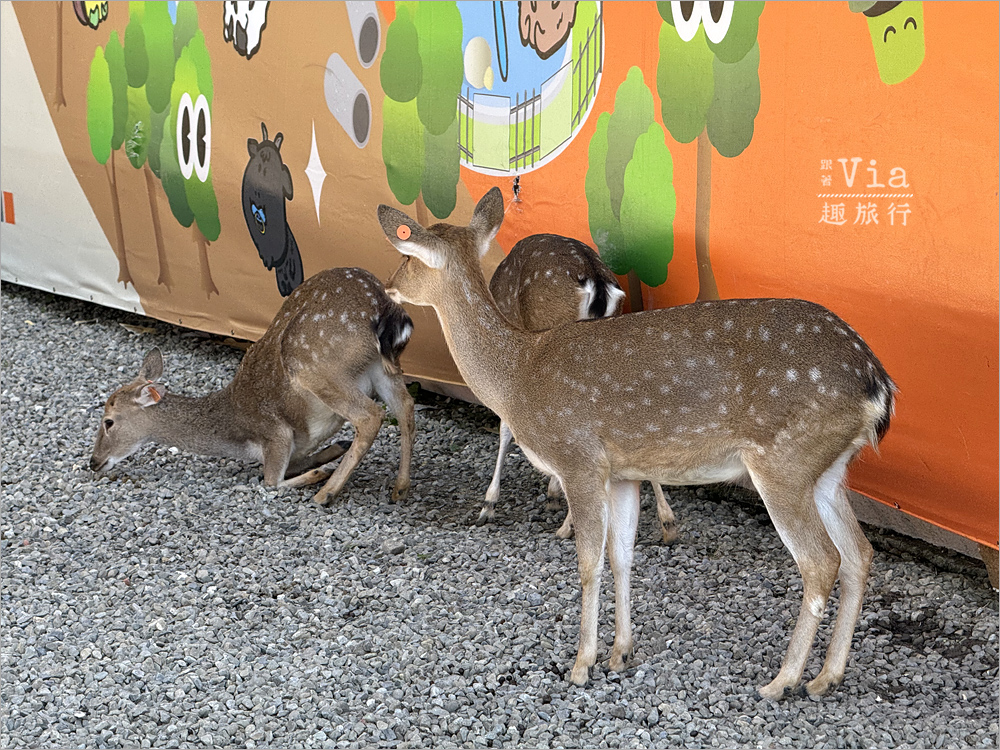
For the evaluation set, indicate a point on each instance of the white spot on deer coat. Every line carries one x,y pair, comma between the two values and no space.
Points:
792,375
814,374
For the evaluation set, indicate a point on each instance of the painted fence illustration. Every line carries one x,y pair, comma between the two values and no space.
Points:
496,135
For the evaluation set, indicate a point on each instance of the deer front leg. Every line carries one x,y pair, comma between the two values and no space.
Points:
623,522
493,492
590,511
277,450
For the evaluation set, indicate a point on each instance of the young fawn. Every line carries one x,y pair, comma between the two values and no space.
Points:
547,280
781,390
334,343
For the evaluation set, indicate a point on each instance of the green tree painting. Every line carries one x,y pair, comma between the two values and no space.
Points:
107,108
709,90
629,188
148,77
421,75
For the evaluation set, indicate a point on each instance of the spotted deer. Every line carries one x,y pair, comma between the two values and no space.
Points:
334,343
781,390
547,280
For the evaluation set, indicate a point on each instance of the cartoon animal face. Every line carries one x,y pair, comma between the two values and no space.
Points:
90,13
242,24
267,184
545,26
897,31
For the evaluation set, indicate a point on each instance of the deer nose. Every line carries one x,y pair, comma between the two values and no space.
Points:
96,465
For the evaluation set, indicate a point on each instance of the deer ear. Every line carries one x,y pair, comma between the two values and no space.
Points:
487,218
409,238
152,366
150,394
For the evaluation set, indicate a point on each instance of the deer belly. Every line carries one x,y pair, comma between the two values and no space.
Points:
727,469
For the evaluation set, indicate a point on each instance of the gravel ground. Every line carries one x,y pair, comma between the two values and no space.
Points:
177,602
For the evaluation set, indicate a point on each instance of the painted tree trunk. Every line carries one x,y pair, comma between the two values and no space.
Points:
707,288
635,303
206,273
58,98
424,217
161,254
124,275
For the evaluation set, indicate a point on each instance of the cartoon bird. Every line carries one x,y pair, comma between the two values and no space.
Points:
897,31
267,184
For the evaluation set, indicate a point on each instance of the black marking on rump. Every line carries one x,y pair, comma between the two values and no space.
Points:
392,328
603,280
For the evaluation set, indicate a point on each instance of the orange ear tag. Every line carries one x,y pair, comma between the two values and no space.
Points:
403,232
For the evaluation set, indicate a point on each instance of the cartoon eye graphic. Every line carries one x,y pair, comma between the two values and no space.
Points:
908,21
687,16
194,137
885,36
716,19
259,217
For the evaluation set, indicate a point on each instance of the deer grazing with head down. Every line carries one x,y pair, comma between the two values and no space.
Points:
334,343
781,390
547,280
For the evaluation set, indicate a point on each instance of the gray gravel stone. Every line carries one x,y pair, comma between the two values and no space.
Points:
177,602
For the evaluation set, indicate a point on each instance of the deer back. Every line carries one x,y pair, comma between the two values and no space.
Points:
334,326
547,280
712,378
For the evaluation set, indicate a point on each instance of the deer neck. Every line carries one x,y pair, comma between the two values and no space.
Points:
487,349
206,425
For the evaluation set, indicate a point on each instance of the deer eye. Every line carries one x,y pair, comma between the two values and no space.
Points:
108,424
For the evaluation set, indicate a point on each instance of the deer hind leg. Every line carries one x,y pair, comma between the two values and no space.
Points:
366,417
315,464
392,390
486,515
668,522
623,522
591,503
793,511
855,563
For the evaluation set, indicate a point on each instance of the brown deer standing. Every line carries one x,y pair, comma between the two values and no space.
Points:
781,390
547,280
334,343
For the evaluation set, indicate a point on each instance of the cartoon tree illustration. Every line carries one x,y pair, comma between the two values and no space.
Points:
107,108
185,160
709,90
421,74
143,78
59,98
629,188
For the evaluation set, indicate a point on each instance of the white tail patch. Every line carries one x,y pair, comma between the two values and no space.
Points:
615,296
587,293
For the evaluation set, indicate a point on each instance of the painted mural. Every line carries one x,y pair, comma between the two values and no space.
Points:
167,151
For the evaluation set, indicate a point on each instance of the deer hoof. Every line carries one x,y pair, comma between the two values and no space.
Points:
669,532
619,661
400,493
822,685
486,516
775,690
580,675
